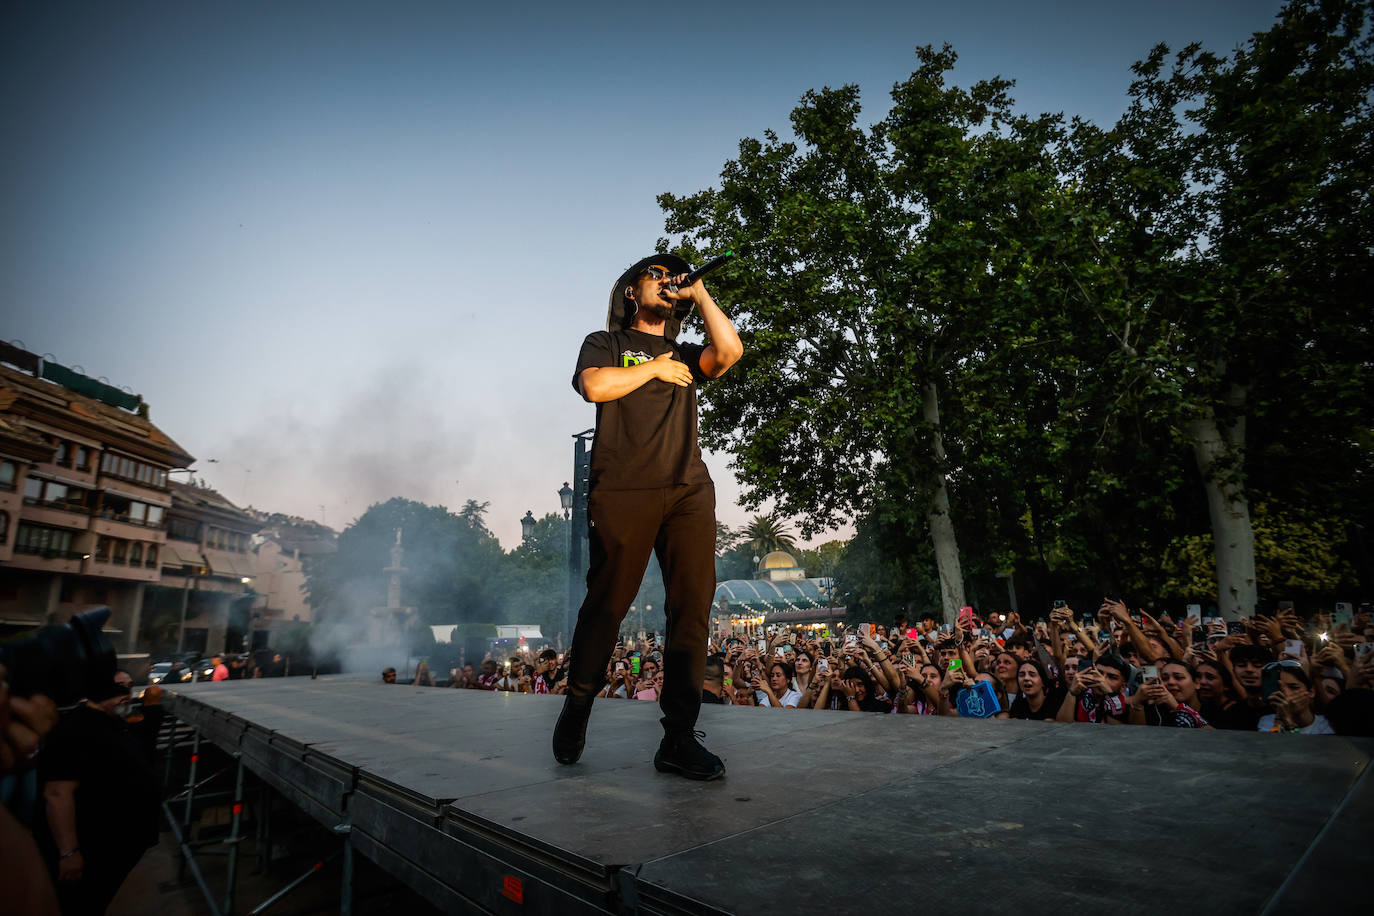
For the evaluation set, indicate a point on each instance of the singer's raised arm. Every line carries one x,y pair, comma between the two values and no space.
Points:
724,348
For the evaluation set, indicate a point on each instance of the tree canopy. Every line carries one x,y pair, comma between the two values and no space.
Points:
1055,349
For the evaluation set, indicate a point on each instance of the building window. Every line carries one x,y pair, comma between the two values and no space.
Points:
63,457
150,560
4,527
50,543
135,553
183,529
102,549
50,493
83,458
9,473
133,470
121,551
130,511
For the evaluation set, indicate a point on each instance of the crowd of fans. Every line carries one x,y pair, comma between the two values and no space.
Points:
1270,673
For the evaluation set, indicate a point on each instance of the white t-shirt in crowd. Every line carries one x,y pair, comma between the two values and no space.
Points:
791,698
1319,725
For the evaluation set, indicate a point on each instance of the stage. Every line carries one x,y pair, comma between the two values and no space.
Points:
456,793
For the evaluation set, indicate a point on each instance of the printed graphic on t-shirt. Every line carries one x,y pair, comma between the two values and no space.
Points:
633,358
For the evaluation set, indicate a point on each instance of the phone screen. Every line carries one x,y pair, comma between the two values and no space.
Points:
912,633
763,645
1269,684
1292,647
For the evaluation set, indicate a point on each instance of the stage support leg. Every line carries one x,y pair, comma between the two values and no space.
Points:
235,837
190,797
346,882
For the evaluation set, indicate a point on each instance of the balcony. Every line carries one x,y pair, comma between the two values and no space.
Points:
128,529
48,553
135,572
58,515
45,559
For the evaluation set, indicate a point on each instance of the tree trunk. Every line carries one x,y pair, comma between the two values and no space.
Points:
1220,450
941,525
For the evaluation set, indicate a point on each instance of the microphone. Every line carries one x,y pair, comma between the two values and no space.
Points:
706,268
683,310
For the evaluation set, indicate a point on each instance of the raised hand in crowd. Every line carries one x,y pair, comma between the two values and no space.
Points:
24,723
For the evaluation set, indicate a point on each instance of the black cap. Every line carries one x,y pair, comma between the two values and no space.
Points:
621,313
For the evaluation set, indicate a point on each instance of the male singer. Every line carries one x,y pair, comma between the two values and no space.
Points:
649,490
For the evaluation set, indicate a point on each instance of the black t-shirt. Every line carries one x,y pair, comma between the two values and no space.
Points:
117,795
1020,709
709,697
648,438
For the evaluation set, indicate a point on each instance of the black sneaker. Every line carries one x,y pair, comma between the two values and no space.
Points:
570,734
684,755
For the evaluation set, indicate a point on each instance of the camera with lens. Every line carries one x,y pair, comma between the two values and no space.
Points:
67,662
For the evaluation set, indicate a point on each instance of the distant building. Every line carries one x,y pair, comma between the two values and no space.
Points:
283,547
780,592
84,496
207,574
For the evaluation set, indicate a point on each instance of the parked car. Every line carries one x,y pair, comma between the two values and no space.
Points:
170,673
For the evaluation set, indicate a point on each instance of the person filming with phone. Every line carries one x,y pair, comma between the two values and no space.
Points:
1096,694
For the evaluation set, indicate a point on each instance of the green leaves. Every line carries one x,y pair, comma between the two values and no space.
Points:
1078,295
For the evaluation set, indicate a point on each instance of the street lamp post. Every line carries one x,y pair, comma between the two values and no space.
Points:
574,501
527,526
565,499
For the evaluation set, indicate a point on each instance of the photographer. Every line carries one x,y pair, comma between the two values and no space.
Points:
102,794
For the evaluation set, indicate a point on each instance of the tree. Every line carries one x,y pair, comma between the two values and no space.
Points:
449,565
1233,205
532,579
474,513
886,262
767,533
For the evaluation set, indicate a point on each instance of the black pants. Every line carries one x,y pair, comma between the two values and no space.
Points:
679,525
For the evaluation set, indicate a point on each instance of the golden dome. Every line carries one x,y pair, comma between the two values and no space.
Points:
778,559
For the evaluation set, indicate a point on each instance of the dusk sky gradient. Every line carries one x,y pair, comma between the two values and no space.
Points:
350,250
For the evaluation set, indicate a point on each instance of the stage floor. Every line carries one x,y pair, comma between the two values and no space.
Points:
456,793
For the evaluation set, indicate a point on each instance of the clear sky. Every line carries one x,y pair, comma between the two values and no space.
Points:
350,250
